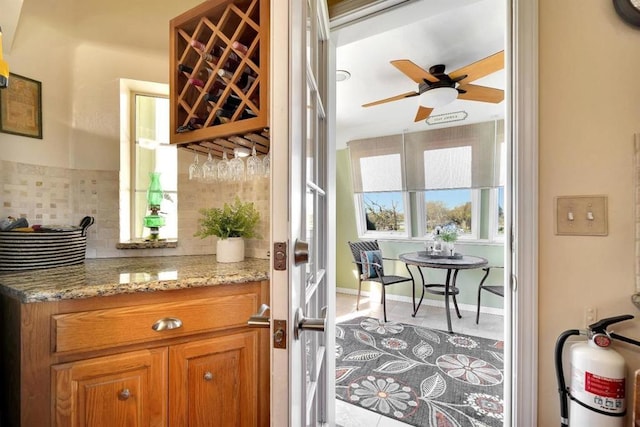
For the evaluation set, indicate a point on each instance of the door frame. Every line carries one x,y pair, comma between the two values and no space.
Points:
523,240
522,330
521,325
287,81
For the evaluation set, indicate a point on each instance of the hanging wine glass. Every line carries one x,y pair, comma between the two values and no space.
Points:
195,170
223,167
210,169
266,165
236,167
254,165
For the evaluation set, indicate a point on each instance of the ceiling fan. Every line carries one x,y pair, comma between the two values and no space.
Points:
437,88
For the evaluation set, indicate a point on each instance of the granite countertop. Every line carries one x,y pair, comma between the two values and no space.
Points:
111,276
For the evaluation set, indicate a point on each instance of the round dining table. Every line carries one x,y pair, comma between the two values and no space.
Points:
453,264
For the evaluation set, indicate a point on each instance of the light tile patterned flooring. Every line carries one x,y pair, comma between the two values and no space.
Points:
491,326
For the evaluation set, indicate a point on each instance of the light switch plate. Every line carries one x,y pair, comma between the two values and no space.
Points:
581,216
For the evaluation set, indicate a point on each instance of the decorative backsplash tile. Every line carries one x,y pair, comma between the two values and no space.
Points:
50,195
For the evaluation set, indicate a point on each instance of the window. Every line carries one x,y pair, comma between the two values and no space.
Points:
145,148
151,152
382,213
444,176
378,176
443,207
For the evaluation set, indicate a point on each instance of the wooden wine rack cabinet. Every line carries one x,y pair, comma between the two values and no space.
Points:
198,94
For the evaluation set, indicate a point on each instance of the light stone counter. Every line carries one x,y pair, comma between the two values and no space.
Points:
111,276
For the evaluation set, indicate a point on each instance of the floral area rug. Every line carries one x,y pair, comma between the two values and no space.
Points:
423,377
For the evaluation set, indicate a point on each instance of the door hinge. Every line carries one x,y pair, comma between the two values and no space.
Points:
279,334
280,256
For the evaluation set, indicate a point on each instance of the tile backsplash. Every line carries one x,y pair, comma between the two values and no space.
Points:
50,195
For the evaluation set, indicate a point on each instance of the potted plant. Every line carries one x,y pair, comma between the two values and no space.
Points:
231,224
445,238
449,235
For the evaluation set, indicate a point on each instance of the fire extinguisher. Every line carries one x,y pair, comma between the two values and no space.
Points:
597,381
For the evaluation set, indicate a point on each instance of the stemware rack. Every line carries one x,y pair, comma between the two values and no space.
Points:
219,63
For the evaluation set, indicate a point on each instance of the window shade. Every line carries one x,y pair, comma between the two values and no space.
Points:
457,157
377,164
470,156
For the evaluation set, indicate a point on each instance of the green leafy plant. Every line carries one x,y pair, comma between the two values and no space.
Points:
449,233
239,219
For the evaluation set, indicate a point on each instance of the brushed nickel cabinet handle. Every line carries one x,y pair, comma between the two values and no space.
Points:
124,394
208,376
166,324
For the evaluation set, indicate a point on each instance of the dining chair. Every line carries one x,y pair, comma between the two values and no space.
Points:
494,289
368,258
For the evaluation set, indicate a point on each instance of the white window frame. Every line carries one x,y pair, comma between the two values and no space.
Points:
493,216
172,194
128,89
475,216
361,221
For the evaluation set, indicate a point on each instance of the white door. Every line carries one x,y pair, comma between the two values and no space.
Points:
303,287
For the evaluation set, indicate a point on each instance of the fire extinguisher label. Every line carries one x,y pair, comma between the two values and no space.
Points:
606,394
606,387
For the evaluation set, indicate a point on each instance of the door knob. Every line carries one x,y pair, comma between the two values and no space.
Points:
302,323
259,320
300,252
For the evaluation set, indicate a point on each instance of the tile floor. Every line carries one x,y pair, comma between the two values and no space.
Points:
491,326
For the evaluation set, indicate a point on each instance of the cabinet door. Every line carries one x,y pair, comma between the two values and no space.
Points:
126,389
214,382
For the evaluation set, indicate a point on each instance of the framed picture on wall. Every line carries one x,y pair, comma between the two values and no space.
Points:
21,107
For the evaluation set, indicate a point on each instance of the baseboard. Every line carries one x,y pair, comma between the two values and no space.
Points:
427,301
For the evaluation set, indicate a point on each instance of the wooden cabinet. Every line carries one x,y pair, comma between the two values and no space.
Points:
122,390
104,361
211,382
219,59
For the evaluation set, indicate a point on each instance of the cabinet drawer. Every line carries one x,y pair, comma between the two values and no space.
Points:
96,329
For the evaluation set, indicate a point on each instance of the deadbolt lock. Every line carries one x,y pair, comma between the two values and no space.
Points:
279,334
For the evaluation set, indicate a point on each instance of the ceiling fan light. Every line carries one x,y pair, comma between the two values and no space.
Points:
438,97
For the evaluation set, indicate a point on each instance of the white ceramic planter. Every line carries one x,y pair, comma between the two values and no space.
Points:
230,250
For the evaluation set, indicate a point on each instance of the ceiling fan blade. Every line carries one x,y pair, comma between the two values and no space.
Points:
393,98
415,73
480,68
423,113
481,93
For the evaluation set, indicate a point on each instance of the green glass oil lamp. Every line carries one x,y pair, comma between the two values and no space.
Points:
154,199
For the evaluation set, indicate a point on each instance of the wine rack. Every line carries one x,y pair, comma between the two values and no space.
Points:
219,59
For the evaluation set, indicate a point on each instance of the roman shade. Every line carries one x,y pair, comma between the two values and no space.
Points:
377,164
469,156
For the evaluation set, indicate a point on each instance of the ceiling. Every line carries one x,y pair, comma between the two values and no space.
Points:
427,32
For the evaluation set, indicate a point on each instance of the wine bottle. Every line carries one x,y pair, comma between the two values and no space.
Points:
245,82
196,82
185,69
242,49
193,124
210,97
198,45
201,47
247,113
204,73
4,68
214,93
224,115
225,75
